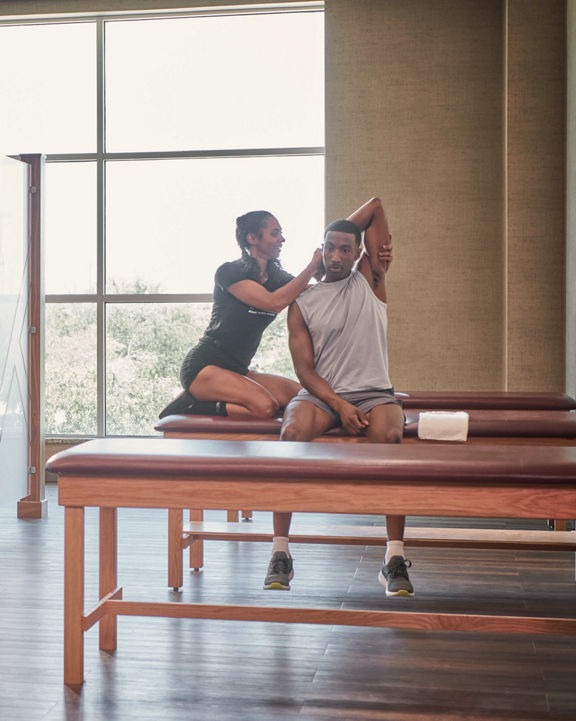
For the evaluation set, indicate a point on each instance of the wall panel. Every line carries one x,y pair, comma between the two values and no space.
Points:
414,114
535,225
571,201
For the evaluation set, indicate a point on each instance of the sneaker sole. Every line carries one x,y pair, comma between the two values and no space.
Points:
383,582
276,586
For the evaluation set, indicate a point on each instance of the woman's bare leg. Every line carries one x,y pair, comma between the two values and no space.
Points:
242,395
283,389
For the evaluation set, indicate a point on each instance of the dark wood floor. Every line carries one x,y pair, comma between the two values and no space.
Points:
168,669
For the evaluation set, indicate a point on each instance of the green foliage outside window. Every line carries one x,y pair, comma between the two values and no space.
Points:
70,369
145,346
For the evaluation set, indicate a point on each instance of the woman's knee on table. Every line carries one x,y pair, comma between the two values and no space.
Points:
263,405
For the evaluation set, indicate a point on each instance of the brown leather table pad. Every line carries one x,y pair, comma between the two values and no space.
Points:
189,459
482,423
487,400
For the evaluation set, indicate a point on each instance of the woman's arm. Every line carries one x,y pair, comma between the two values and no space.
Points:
255,294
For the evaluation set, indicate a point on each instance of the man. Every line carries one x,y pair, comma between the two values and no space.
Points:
337,336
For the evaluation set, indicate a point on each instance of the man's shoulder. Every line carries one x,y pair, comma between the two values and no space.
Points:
358,277
361,285
310,293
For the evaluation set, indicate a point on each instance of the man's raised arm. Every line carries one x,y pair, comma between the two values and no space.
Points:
377,255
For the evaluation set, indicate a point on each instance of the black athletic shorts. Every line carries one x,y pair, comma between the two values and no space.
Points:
207,353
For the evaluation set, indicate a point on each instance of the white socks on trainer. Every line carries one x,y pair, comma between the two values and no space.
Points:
280,543
394,548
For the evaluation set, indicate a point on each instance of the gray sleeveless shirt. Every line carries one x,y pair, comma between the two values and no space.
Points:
347,324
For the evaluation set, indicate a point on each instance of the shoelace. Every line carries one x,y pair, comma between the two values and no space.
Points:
281,564
400,569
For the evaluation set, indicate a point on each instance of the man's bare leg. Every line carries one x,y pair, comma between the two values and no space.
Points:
386,424
303,421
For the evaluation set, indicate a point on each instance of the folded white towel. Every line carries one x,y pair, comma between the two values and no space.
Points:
443,425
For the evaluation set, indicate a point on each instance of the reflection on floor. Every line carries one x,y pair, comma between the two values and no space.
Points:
170,669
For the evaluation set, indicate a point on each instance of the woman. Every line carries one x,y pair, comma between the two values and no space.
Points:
248,294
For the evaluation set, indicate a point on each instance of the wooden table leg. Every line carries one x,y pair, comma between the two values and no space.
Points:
108,573
175,562
74,596
196,546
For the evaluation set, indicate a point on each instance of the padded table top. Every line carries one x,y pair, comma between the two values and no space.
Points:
504,423
168,458
487,400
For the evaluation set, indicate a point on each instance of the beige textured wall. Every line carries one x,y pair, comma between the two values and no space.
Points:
571,204
418,104
414,93
536,194
453,112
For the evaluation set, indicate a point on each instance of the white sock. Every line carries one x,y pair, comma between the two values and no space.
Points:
394,548
280,543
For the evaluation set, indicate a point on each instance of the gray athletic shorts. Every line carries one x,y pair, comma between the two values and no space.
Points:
364,400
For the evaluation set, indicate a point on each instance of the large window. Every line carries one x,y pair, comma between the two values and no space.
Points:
159,131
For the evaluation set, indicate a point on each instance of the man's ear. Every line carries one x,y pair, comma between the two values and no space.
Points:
251,238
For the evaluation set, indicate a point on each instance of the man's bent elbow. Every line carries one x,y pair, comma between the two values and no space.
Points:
375,204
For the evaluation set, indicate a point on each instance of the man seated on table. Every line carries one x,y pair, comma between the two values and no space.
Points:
337,336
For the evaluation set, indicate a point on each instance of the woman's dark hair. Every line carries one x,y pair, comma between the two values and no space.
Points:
253,222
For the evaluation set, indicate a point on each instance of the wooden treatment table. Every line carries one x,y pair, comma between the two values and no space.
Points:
460,481
506,427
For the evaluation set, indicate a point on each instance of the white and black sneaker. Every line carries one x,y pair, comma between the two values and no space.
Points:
394,577
280,572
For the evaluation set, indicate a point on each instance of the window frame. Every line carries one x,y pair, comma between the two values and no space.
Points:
101,157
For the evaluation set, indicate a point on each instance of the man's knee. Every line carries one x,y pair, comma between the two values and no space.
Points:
393,435
387,434
386,424
292,432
